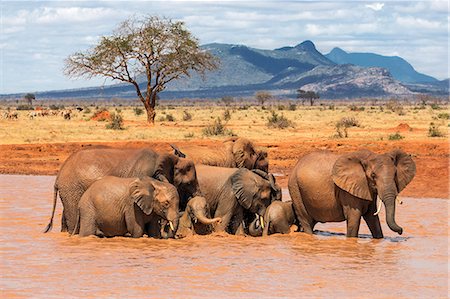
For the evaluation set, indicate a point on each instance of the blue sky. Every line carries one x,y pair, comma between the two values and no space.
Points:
36,36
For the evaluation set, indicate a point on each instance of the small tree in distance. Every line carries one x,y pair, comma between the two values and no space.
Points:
30,97
307,95
157,49
262,97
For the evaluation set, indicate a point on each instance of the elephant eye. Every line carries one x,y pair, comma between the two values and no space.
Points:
165,204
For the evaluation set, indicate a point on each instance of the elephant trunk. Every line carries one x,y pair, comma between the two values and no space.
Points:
389,203
200,215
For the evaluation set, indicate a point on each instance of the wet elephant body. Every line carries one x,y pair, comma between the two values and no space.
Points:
279,218
84,167
114,206
326,187
230,192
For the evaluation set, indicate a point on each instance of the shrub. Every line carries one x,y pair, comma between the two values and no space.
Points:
189,135
169,117
343,124
444,115
217,129
56,107
186,115
24,107
292,107
433,131
86,110
395,106
435,106
356,108
116,122
281,107
331,107
395,136
226,115
138,111
279,121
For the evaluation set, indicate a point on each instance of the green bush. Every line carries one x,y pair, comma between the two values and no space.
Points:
395,136
433,131
435,106
116,122
292,107
217,129
444,115
279,121
187,116
56,107
24,107
169,117
138,111
356,108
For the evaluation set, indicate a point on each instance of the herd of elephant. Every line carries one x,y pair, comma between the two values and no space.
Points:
135,192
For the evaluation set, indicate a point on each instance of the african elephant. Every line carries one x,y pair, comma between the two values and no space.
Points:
326,187
230,191
235,153
114,206
195,219
279,218
82,168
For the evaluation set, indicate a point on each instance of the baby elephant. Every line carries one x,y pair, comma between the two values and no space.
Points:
114,206
278,218
195,219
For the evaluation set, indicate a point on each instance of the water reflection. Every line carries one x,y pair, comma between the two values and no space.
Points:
326,264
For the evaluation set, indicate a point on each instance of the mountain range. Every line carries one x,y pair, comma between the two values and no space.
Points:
244,70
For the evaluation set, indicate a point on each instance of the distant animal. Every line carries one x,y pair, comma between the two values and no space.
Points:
279,218
326,187
234,153
114,206
66,114
12,115
79,109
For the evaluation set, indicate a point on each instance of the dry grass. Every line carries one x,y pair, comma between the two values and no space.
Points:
312,123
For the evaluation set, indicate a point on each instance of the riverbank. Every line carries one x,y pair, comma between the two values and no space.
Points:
431,157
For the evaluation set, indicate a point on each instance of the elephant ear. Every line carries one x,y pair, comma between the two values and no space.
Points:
177,152
142,193
406,168
165,166
244,187
275,188
348,174
244,153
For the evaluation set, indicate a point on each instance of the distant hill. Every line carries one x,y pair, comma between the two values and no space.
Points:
397,66
244,70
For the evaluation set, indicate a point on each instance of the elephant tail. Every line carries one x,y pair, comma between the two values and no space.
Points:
77,224
55,197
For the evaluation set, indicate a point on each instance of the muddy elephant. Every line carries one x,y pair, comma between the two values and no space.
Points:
195,219
234,153
279,218
230,192
326,187
114,206
82,168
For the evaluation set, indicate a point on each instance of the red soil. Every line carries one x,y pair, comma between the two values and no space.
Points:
431,157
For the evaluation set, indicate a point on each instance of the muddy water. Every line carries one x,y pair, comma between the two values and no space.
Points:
327,264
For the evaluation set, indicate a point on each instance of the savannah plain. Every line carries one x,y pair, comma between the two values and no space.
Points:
40,145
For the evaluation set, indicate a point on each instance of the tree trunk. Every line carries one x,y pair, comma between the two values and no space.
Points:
150,114
311,101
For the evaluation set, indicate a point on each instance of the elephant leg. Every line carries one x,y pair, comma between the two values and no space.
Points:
373,222
353,217
267,225
305,220
135,224
88,226
236,227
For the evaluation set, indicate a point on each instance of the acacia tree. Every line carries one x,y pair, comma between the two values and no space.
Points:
262,97
30,97
160,49
307,95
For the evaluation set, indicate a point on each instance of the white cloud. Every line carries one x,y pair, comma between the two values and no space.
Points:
375,6
418,23
50,15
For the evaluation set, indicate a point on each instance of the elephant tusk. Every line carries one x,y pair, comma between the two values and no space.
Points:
261,219
399,201
378,206
171,226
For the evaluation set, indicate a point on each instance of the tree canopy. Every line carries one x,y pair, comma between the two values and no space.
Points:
30,97
307,95
160,49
